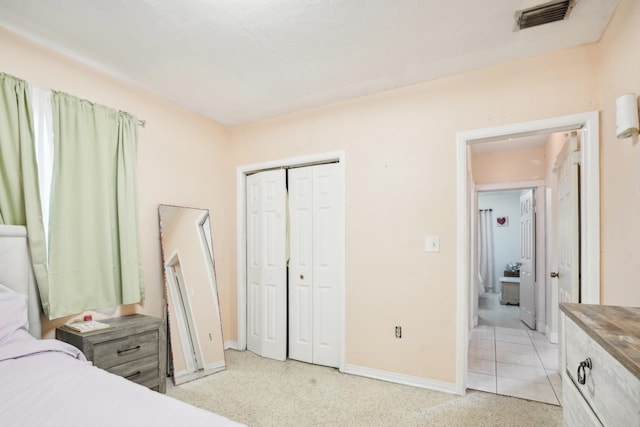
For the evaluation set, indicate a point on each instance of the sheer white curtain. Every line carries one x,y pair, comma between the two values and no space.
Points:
40,100
485,251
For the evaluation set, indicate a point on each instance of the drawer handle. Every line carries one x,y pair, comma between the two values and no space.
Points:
126,350
582,374
135,374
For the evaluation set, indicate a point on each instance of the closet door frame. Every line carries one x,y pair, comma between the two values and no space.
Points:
241,188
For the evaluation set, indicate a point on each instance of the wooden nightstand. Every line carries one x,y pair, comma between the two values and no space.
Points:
134,347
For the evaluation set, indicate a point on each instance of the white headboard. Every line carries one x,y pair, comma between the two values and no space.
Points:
16,272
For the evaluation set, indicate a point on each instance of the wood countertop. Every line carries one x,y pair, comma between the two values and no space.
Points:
616,329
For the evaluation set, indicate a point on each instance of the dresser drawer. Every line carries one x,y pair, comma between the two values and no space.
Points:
576,410
123,350
142,371
610,389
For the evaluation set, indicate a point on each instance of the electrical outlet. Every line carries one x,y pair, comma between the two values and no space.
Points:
398,331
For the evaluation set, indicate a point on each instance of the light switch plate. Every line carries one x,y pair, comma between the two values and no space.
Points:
432,244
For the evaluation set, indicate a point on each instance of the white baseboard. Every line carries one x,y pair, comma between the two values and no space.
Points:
552,336
541,326
395,377
233,345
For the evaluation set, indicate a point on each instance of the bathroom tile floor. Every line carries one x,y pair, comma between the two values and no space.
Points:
514,362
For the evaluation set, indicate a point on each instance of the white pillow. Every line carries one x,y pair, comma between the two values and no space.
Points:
13,312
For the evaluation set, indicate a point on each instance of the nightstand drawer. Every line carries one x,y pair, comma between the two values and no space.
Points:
123,350
126,348
142,371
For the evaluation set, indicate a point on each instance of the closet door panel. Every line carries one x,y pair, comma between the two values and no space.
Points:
254,270
266,266
327,199
274,269
300,265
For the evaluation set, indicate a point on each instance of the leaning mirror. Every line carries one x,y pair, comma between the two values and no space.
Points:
193,313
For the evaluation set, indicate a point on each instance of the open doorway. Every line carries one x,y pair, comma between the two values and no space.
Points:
509,186
587,124
509,353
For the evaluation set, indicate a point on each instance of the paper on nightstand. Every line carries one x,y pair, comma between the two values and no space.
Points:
88,326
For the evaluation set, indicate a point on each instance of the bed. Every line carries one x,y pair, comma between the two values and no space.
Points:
46,382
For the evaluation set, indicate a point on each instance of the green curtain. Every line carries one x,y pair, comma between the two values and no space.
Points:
94,256
19,195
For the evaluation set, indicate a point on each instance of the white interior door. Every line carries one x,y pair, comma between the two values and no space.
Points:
314,266
527,259
266,264
568,223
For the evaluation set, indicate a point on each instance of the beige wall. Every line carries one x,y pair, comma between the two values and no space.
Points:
619,73
401,185
509,166
400,173
182,158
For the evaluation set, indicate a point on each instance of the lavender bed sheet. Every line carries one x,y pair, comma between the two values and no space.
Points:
49,383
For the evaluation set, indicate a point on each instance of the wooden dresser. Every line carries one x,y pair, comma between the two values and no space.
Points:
601,365
133,347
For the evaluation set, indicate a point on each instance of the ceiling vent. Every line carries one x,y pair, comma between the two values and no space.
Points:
543,14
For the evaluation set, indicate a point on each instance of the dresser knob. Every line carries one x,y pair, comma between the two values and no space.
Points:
582,374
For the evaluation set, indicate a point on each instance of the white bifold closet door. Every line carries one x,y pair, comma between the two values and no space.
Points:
266,264
315,201
314,280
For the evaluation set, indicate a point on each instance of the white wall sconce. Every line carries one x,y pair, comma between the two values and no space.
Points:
627,116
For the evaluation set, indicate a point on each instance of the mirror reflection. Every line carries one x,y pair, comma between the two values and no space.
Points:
193,312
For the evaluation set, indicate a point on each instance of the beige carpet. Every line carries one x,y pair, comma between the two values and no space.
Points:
263,392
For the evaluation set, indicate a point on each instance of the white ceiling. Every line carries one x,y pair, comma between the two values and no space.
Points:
237,61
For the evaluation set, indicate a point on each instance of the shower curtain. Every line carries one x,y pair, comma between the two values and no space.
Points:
485,251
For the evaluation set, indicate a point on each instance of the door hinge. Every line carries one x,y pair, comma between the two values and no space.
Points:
576,157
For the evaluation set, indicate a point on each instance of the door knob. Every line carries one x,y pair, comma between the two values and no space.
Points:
302,276
554,274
